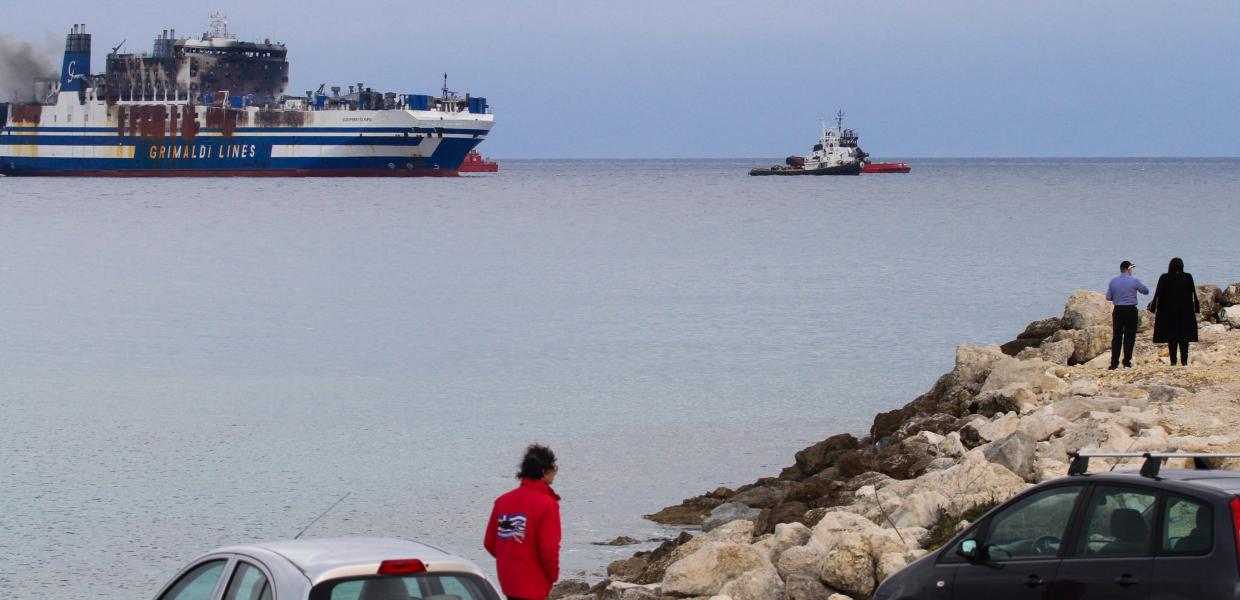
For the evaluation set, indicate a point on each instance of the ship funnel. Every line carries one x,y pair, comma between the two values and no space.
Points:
76,66
163,45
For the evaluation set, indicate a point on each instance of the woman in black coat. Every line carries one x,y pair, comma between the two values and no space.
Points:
1175,307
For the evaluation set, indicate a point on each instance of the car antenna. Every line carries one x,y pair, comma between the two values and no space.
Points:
321,515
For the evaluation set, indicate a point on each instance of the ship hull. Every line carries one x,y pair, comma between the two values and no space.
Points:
60,172
887,168
168,140
850,169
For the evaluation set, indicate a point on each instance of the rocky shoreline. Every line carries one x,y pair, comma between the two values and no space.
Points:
850,512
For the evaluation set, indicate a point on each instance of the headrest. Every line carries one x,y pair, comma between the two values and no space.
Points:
1127,525
384,588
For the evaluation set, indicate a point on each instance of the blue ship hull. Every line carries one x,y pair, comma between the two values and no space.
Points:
239,155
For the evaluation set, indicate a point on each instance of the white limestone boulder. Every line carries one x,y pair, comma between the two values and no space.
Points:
805,588
1016,452
800,561
922,502
705,572
1231,316
850,566
889,564
1086,309
788,535
758,584
1041,427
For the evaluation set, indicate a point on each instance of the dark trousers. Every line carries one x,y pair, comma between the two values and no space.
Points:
1183,346
1123,331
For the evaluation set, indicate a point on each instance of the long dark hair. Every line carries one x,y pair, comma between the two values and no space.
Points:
1176,265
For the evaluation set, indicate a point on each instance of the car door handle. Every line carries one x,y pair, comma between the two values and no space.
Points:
1126,580
1033,581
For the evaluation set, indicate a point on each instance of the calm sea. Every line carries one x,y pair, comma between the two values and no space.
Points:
186,364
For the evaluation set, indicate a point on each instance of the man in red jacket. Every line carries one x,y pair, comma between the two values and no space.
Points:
523,533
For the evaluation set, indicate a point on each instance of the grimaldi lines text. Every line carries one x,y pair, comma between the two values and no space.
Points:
212,105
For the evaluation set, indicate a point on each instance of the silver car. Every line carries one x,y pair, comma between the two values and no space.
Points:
330,569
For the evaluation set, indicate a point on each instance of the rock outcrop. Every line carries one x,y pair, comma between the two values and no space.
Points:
850,512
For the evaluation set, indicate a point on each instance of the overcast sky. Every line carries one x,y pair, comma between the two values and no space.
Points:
715,78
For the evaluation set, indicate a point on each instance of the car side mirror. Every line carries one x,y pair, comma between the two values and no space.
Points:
970,550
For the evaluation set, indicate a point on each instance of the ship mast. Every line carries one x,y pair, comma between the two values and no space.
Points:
447,93
219,27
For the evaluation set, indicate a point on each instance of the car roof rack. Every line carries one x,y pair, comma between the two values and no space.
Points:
1153,460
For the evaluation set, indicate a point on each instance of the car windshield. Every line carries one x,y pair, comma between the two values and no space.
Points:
423,586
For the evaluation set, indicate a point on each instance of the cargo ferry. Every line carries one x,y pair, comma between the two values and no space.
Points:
213,105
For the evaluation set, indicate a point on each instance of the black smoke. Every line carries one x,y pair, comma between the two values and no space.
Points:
20,64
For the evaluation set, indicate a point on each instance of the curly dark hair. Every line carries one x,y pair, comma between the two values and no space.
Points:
537,461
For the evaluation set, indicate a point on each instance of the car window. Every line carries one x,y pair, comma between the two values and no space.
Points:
248,583
1118,522
455,589
1033,526
197,584
423,586
1189,526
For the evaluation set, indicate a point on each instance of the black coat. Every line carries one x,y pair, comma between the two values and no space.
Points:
1175,307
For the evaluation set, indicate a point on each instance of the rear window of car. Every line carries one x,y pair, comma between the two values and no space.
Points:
423,586
1189,526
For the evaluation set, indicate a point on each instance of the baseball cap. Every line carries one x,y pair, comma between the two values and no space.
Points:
1124,266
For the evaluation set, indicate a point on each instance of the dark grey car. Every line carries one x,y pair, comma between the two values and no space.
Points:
1155,535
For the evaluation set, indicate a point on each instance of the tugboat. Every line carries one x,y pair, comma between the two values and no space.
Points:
474,163
836,153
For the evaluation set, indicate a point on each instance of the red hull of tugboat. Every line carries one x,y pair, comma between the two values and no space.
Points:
474,163
887,168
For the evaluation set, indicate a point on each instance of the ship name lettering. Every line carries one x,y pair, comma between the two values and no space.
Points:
238,151
179,151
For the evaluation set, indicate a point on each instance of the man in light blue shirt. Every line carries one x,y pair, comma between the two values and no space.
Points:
1123,291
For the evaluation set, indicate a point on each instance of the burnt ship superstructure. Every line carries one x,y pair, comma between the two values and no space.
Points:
215,105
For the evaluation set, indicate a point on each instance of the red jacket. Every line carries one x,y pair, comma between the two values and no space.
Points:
523,534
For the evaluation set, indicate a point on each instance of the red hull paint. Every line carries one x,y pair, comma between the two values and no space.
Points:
249,173
474,163
887,168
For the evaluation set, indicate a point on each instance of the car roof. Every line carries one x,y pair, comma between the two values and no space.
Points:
1224,481
329,558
